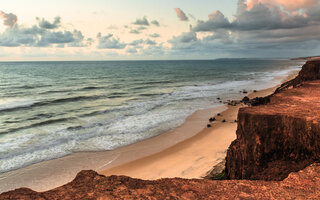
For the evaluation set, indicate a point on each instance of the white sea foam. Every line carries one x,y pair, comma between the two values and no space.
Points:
8,104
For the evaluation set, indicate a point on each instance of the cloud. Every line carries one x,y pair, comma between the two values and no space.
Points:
181,15
287,5
56,38
135,31
186,37
9,19
258,16
79,40
47,25
131,50
153,50
136,42
154,35
143,22
140,42
150,42
109,42
15,37
41,35
259,28
155,22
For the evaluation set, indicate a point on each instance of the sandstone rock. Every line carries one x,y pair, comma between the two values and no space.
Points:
90,185
282,136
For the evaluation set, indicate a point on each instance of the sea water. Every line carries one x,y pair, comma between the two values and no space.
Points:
52,109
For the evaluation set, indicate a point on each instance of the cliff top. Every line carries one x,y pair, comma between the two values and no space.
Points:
90,185
301,102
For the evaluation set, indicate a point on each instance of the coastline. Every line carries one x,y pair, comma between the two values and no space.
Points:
148,153
193,157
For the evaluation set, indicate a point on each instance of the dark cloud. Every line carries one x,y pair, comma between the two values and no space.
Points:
155,22
143,22
9,19
181,15
15,37
59,37
109,42
154,35
47,25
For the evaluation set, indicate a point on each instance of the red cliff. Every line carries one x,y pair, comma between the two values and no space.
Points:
90,185
282,136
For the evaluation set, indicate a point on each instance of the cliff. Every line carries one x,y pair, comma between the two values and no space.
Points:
90,185
282,136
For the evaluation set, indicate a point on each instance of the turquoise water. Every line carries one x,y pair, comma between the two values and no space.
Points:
52,109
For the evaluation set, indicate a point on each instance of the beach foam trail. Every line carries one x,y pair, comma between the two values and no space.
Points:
64,107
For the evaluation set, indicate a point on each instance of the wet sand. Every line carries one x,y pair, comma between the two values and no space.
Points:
191,158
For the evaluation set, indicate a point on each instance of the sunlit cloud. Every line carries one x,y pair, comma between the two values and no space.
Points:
181,15
9,19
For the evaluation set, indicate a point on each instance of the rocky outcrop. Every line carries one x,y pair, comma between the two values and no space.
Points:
282,136
90,185
309,72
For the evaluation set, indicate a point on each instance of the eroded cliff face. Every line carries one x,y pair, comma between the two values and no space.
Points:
282,136
90,185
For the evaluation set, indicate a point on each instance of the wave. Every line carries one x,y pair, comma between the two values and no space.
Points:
42,123
155,82
91,88
12,104
24,104
31,86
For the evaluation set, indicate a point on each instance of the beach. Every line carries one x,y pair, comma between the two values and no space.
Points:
193,157
188,151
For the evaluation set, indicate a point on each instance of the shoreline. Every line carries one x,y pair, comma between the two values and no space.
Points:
52,173
193,157
56,172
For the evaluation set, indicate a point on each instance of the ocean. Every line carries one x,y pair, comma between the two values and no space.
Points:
53,109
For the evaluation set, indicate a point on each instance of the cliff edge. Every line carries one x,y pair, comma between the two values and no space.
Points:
282,136
90,185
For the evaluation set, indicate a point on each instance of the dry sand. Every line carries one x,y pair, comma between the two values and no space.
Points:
191,158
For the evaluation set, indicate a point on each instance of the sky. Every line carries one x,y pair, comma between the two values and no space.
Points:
156,30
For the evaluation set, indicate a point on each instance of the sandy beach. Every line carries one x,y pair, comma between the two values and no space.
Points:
188,151
193,157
